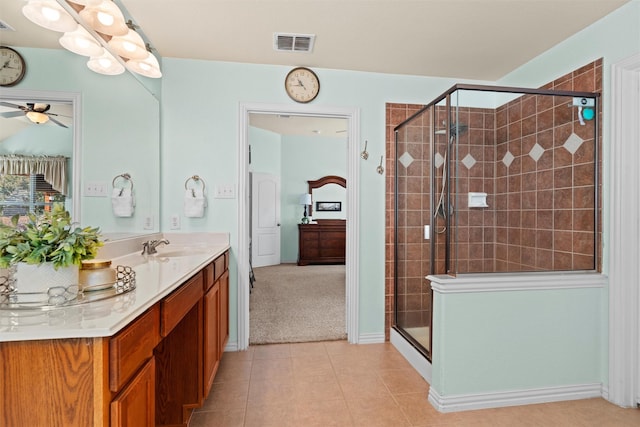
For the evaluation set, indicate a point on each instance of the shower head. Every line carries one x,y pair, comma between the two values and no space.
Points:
457,129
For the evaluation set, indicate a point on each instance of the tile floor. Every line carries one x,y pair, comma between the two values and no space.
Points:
338,384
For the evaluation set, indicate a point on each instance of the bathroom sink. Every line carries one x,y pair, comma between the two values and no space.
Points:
174,252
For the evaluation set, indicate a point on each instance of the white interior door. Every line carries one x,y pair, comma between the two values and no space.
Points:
265,219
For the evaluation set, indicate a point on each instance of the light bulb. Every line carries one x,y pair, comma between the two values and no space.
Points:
81,42
105,18
105,64
50,13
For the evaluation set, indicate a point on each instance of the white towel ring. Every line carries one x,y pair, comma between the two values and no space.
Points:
124,176
196,179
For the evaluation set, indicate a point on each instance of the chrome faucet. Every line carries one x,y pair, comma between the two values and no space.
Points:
150,246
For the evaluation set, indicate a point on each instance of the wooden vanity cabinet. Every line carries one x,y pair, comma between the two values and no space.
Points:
216,318
135,406
153,372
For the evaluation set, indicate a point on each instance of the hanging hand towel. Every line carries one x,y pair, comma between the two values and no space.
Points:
122,202
194,203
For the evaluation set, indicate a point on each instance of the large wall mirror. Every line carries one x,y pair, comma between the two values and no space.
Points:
113,129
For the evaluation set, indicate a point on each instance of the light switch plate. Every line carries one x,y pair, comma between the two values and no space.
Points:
225,191
95,189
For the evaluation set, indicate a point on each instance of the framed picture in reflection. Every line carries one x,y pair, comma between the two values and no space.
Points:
328,206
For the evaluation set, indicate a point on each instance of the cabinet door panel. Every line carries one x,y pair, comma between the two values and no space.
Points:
133,345
135,405
211,336
224,311
179,303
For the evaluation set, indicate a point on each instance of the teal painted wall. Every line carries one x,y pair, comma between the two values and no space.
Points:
40,140
501,341
205,140
265,151
305,158
295,159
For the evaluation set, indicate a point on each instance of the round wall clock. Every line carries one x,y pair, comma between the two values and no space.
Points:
302,85
12,66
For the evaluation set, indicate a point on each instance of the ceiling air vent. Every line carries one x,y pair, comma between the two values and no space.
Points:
287,42
5,27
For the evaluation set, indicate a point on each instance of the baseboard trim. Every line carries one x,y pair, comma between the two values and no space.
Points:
513,398
371,338
231,346
413,356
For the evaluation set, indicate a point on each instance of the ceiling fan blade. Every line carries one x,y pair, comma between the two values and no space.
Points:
57,122
8,104
57,115
10,114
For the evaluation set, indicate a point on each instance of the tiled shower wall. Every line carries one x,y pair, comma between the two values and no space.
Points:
535,161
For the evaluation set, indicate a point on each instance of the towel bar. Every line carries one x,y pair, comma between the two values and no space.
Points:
124,176
196,179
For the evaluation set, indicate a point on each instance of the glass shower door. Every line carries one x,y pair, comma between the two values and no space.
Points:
413,218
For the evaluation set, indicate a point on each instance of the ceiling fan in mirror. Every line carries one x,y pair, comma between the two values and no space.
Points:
37,113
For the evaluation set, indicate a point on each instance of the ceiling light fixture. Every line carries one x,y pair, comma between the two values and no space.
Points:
81,42
148,66
48,14
37,117
105,64
105,18
130,46
96,28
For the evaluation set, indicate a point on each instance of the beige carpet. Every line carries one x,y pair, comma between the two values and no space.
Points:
291,303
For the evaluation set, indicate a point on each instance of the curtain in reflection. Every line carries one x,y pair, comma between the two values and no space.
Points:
53,168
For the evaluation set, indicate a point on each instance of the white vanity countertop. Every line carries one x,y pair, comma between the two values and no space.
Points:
156,277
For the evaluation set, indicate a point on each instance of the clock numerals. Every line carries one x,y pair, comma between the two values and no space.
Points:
302,85
12,66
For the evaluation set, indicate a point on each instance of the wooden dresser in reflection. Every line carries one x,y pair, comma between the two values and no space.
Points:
323,242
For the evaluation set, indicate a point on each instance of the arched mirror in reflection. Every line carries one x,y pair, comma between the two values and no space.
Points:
328,196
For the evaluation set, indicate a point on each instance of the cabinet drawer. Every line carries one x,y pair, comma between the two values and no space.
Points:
208,277
132,346
178,304
219,264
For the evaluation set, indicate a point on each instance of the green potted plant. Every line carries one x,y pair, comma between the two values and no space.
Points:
46,246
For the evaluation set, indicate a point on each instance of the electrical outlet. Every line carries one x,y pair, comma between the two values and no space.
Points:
225,191
95,189
148,222
174,222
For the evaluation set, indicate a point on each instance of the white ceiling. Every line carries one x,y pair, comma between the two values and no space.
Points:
471,39
465,39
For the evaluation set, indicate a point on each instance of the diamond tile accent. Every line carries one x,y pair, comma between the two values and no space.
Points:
438,160
468,161
573,143
406,159
508,159
536,152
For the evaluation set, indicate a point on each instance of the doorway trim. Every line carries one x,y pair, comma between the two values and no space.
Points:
624,234
352,115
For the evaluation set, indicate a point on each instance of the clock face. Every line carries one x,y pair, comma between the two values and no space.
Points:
12,66
302,85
